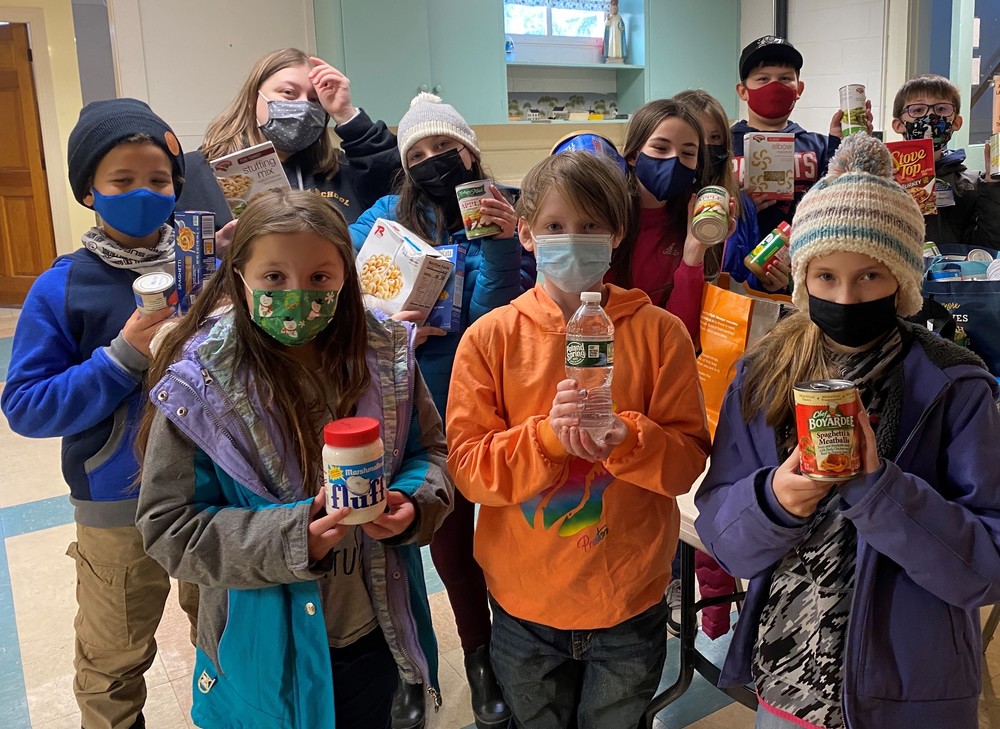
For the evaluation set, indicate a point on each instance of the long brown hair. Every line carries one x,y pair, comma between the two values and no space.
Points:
421,213
278,379
790,353
640,128
236,127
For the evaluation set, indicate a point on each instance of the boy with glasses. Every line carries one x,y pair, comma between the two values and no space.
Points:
968,203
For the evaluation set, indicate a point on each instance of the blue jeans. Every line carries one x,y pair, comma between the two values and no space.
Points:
584,679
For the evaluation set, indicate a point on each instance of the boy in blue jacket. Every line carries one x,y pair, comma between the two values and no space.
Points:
80,353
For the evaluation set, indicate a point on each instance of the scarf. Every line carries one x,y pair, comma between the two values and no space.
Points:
140,260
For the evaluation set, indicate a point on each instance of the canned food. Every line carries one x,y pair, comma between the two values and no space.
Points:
710,222
770,251
978,254
470,200
154,291
829,434
993,271
853,103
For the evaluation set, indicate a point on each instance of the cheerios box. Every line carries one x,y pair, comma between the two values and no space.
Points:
248,173
399,271
769,165
447,311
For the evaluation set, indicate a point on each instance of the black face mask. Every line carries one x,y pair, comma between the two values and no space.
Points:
718,158
439,175
853,325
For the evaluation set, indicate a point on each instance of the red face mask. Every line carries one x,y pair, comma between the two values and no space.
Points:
773,101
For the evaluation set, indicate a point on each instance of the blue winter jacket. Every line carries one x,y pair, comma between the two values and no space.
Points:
928,543
743,240
496,273
222,505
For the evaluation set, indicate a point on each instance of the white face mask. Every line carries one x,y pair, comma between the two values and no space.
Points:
573,262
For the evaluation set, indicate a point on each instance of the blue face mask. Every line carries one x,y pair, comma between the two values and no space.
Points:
665,179
136,213
573,263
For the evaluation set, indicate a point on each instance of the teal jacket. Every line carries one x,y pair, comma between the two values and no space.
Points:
222,505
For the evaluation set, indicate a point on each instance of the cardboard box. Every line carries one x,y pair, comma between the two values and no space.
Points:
769,165
996,104
995,157
189,253
913,168
447,312
248,173
399,271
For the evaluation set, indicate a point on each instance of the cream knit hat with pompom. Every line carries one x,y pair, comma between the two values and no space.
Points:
859,207
428,116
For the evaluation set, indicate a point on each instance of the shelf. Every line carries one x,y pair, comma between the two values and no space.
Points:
604,66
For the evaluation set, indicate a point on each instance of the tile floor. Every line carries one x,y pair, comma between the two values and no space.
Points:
37,606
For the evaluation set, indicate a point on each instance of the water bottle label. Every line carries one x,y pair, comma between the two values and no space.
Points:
590,354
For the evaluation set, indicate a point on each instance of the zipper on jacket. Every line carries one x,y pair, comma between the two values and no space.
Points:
215,421
244,430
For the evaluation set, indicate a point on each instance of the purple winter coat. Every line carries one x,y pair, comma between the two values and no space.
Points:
928,528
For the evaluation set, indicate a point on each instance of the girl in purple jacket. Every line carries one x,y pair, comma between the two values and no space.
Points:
863,603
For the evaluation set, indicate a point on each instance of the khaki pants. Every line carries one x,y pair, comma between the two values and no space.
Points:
120,594
188,595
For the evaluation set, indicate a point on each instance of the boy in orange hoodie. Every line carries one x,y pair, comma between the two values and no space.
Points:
575,536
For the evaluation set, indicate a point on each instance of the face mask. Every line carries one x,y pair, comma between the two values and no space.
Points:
439,175
773,101
573,263
292,317
136,213
718,158
853,325
292,126
930,126
665,179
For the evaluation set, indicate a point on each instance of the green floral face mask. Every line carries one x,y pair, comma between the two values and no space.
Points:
295,316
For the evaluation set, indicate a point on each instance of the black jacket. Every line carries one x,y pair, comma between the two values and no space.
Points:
974,219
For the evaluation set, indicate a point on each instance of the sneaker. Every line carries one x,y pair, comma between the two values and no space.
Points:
673,594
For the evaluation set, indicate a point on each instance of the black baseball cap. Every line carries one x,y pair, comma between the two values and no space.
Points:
768,48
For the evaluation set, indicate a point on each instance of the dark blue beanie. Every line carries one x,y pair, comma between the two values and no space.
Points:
103,125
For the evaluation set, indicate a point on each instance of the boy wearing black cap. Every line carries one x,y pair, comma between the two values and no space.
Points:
770,84
77,366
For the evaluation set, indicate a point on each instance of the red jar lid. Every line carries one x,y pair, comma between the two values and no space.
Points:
351,432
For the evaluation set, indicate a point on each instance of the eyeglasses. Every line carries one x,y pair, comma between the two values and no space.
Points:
918,110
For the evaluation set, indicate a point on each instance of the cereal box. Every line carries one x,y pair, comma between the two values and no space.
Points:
913,161
246,174
996,104
995,157
447,311
194,253
769,165
399,271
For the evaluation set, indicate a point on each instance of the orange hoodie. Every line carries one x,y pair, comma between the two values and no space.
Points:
564,542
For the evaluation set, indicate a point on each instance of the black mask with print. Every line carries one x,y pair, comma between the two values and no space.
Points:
439,175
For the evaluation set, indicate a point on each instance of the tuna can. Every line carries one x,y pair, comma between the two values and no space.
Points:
829,434
853,104
470,200
710,221
978,254
154,291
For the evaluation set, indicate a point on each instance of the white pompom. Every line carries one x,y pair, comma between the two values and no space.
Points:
425,96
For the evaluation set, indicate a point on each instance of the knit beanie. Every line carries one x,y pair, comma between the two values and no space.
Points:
428,116
103,125
859,207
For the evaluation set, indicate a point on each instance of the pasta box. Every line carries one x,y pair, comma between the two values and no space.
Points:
769,165
194,253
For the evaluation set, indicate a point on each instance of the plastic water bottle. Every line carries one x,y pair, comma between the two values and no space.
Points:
590,358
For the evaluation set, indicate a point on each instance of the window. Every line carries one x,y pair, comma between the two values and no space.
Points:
558,18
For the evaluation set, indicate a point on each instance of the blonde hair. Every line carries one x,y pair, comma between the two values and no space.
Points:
589,183
236,127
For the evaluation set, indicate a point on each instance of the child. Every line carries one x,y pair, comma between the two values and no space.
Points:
968,203
575,536
770,84
863,606
439,150
80,354
232,496
659,255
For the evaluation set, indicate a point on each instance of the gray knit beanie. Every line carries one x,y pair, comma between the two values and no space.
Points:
428,116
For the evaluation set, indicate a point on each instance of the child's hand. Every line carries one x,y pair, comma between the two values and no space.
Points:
326,531
224,238
564,418
869,452
838,117
140,329
333,89
695,249
760,203
797,494
423,332
498,210
394,522
776,277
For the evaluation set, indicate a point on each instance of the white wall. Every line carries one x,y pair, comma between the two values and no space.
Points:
93,49
187,58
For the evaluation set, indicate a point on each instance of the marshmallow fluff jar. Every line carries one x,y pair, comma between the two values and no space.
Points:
354,470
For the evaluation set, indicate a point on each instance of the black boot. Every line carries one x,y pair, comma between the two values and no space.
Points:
408,706
488,706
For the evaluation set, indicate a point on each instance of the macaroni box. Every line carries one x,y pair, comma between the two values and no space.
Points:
399,271
447,311
248,173
769,165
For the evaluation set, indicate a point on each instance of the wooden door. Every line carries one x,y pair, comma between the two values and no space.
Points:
27,245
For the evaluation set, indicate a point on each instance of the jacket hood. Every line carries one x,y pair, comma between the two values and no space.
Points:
539,307
743,126
952,160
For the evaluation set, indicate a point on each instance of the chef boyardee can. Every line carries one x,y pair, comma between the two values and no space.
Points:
154,291
829,434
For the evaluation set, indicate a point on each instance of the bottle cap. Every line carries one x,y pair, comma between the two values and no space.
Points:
590,297
784,228
351,432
